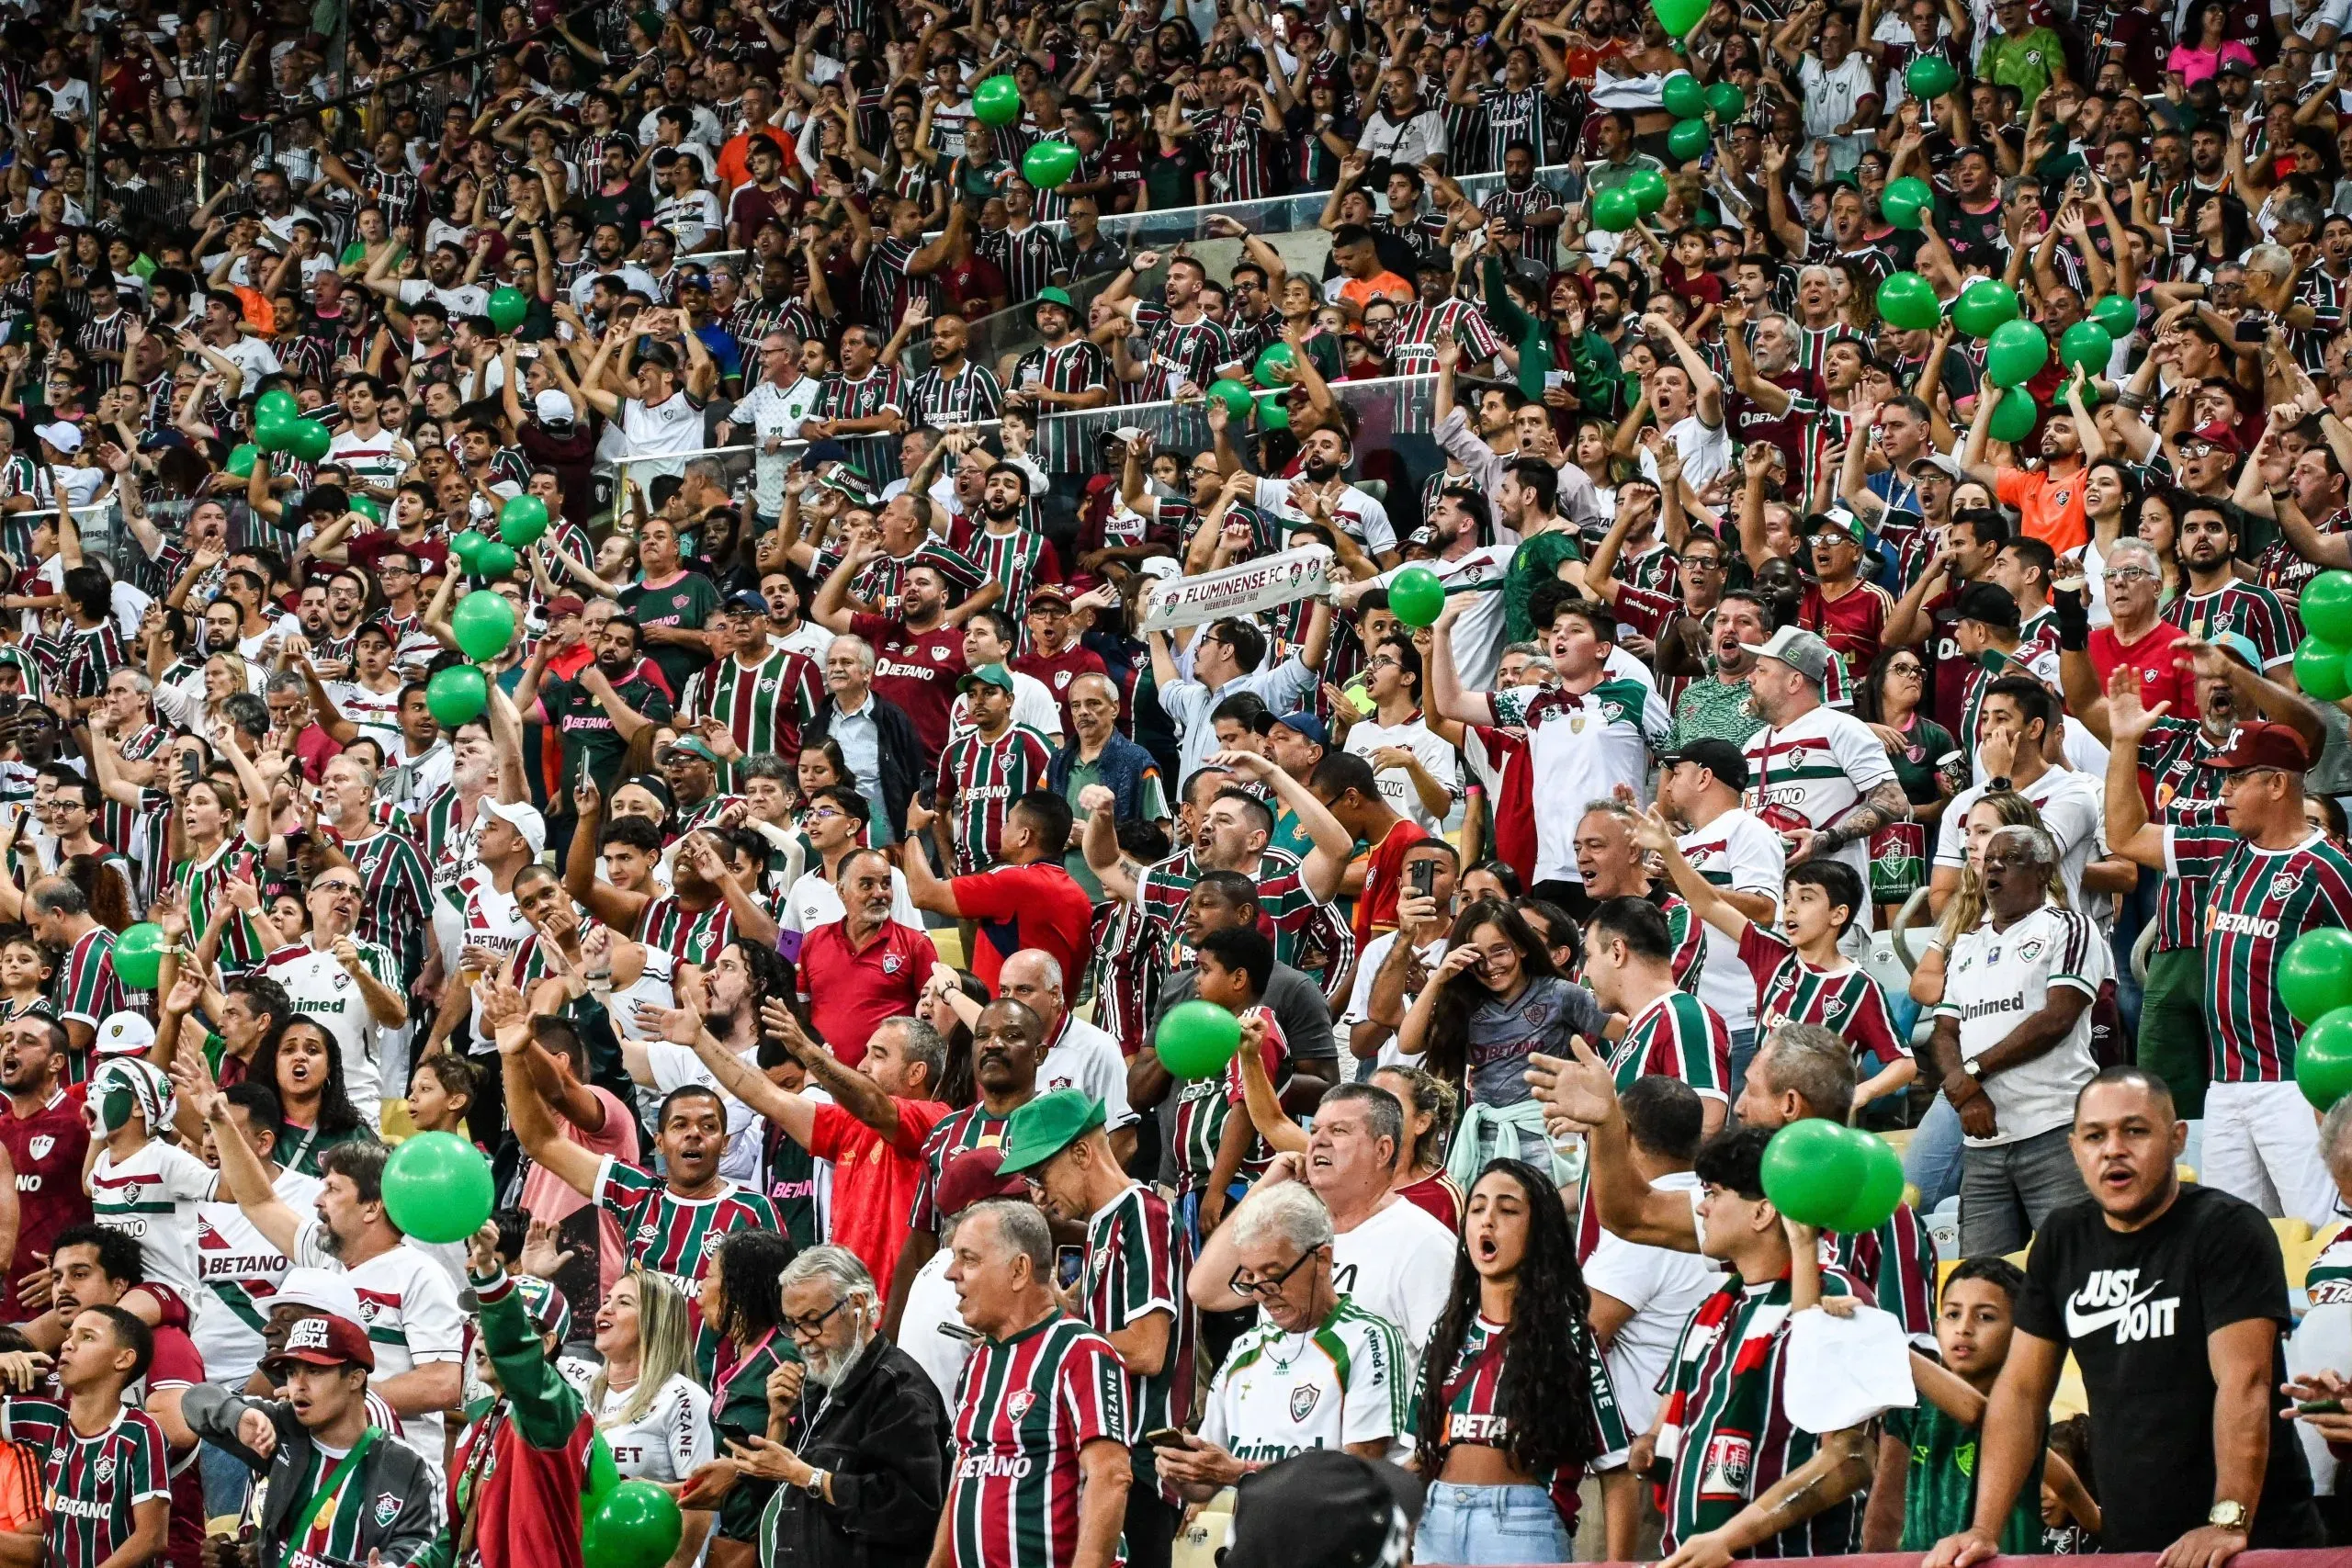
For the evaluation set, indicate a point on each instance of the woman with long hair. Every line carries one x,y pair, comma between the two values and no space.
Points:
1497,985
654,1416
1509,1417
2157,526
300,1062
1421,1178
1928,764
743,1303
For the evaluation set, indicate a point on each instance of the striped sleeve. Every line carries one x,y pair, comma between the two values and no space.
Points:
1092,1392
151,1475
2073,963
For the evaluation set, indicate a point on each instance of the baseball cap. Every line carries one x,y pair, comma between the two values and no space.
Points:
1323,1508
1989,603
64,434
525,819
1830,522
975,1174
564,604
1797,648
1047,1125
327,1341
329,1291
2235,68
1053,591
691,748
1302,723
2219,434
1721,758
746,599
2262,746
553,407
995,675
2240,647
1941,462
125,1035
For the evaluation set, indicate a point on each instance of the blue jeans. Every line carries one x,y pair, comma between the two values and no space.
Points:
1743,1052
226,1478
1476,1525
1932,1163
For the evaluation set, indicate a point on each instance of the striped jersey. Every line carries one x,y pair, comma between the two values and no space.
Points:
1234,144
1726,1431
889,285
879,388
1846,1000
1813,773
966,396
1676,1036
1472,1393
116,820
675,1238
2329,1282
1347,1380
395,895
982,778
1177,354
689,936
2256,902
2254,613
973,1127
1024,1408
1137,1254
202,882
152,1196
1895,1264
89,1484
2181,788
762,704
1205,1107
1016,559
87,986
1077,365
1028,257
1420,327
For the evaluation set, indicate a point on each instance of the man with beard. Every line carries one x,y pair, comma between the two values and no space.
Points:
444,283
418,1327
596,714
738,979
1013,556
1771,403
2049,500
2311,516
485,764
862,1453
1467,565
953,391
1181,347
43,1194
1067,370
1968,552
918,656
2215,602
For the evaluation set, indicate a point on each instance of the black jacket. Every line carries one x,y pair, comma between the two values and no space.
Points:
401,1495
883,1434
900,751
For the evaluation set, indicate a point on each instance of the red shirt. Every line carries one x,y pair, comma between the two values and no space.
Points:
1437,1196
431,554
1853,624
177,1365
875,1178
2163,674
851,991
918,671
1037,904
1383,878
1059,672
50,1198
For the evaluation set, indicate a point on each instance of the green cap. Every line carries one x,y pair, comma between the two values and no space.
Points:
1047,1125
693,746
995,675
1050,296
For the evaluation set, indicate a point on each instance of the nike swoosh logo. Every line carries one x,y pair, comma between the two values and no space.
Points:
2080,1325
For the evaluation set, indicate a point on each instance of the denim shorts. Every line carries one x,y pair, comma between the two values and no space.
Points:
1476,1525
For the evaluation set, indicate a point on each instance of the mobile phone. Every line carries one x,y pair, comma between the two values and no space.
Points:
2250,328
189,766
955,1330
1069,1262
1422,876
1166,1437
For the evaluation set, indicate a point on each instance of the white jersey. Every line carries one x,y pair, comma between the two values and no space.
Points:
378,713
413,1319
1476,579
1813,774
1737,853
1581,746
667,1443
1347,1380
153,1197
1084,1057
923,1324
1662,1285
675,1067
1995,979
370,458
1364,516
1399,1265
1438,760
2072,808
322,990
237,1270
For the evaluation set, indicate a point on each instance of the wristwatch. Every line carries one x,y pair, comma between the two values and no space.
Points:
1974,1069
815,1487
2230,1515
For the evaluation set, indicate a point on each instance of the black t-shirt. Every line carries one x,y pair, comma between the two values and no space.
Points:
592,742
2136,1308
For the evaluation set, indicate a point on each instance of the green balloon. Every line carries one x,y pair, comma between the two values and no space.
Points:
1726,100
598,1484
1908,300
483,622
1050,163
1272,412
2014,420
1881,1192
437,1188
1273,357
365,506
1682,96
2326,606
467,546
138,954
2119,316
494,560
1417,597
1614,210
275,404
997,101
241,461
637,1526
275,435
1235,395
2319,669
1931,76
2324,1059
1813,1171
2086,346
508,307
2315,974
521,521
308,439
1906,203
456,695
2015,352
1197,1039
1647,188
1688,139
1984,306
1678,17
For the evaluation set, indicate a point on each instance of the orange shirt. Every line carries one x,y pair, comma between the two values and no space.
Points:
1363,291
2051,505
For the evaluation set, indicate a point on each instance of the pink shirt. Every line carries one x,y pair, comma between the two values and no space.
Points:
548,1197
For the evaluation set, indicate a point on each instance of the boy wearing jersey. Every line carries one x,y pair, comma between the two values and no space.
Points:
340,1491
147,1189
45,1141
105,1486
1317,1371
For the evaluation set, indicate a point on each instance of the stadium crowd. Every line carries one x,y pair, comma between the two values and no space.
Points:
1201,716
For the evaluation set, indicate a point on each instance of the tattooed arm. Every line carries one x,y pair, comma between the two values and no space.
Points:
1883,804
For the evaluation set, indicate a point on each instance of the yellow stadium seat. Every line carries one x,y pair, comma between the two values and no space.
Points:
395,1123
2070,1400
950,943
2292,1232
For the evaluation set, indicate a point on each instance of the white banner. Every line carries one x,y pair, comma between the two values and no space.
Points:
1244,590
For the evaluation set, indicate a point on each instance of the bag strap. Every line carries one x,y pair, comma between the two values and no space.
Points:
331,1486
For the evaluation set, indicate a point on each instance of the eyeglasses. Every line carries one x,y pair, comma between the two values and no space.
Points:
819,813
809,1327
2126,574
1267,1288
1915,670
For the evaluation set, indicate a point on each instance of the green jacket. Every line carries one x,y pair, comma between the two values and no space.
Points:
1592,363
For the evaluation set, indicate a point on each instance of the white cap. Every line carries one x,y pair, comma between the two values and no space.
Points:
553,407
321,1290
125,1035
63,434
523,819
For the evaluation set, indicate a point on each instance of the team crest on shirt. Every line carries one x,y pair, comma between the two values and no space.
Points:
343,979
1020,1404
890,961
2283,886
645,1232
388,1508
1576,723
939,654
1611,712
767,685
105,1470
1302,1400
1833,1006
1061,679
1536,1013
38,1146
2030,949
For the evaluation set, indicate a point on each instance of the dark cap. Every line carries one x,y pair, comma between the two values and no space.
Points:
1301,723
744,599
1721,758
2235,68
326,1341
1989,603
1323,1508
2262,746
973,1176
